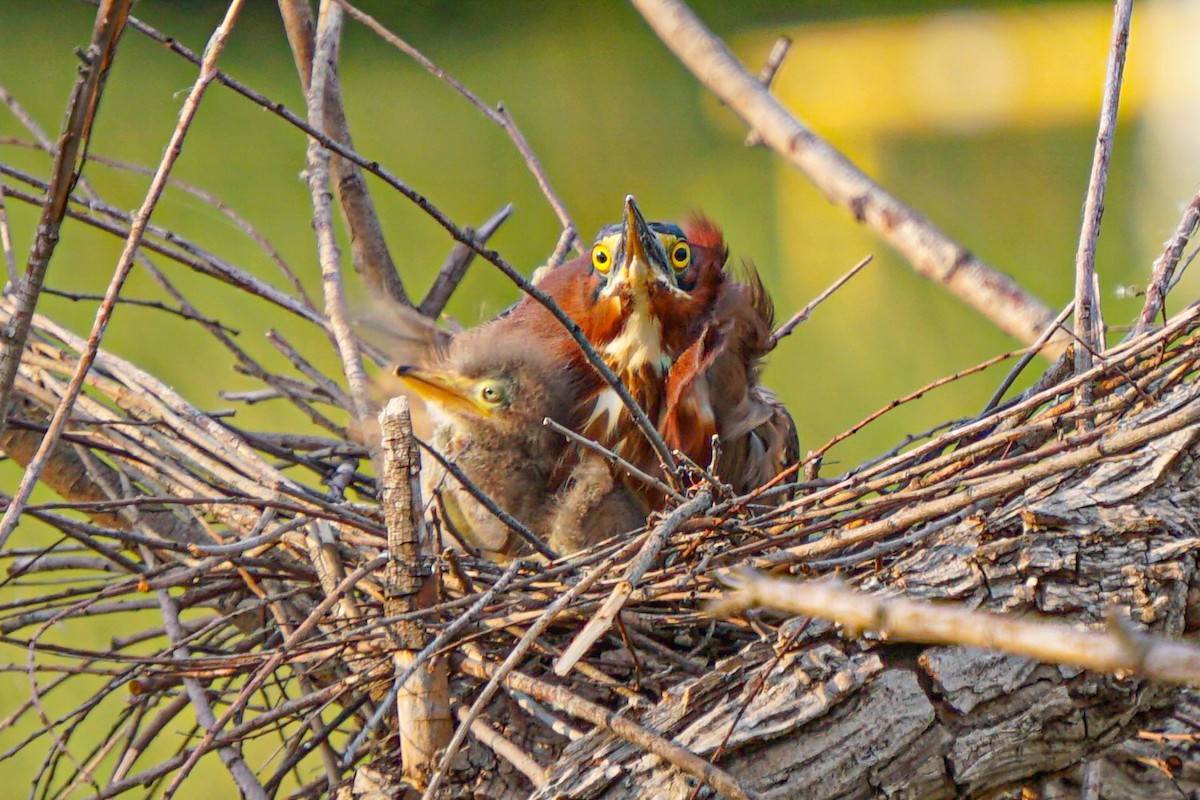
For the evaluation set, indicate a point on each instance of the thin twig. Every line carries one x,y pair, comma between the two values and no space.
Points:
1087,328
68,164
803,314
931,252
498,115
612,458
1164,266
766,76
62,412
455,267
1024,360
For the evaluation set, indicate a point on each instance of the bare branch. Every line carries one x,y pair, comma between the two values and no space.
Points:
141,219
1164,266
1119,650
368,248
1087,328
931,252
68,164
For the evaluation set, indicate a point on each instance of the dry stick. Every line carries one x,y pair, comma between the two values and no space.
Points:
644,424
440,641
612,458
1118,441
1023,362
1119,650
1164,267
483,497
803,314
10,258
61,413
260,675
619,726
198,695
368,248
455,267
498,115
1087,327
68,163
931,252
506,749
329,31
766,76
518,652
423,702
603,619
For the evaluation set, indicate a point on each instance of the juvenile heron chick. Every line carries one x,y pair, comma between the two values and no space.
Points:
487,398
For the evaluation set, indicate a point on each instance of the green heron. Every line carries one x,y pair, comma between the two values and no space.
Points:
658,304
487,394
640,296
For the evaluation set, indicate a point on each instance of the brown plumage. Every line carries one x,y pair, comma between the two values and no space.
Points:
487,392
639,297
714,388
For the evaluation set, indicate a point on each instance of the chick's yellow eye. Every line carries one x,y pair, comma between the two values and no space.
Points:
491,394
681,255
601,258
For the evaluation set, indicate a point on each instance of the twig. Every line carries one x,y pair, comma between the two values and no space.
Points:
616,724
1164,266
612,458
58,422
1024,360
514,657
602,620
68,164
803,314
512,522
766,76
931,252
937,623
456,264
498,115
1087,328
75,297
368,248
329,31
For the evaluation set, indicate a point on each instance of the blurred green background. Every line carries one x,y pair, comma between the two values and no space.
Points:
980,115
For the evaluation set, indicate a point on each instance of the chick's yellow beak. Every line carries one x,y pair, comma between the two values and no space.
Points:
451,392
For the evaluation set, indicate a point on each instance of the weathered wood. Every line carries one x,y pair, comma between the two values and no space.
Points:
423,702
846,718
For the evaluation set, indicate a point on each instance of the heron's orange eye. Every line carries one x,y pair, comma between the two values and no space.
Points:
681,255
602,258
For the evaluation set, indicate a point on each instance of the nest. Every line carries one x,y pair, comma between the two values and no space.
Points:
272,584
287,595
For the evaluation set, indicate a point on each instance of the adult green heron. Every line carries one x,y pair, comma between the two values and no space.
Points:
487,395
